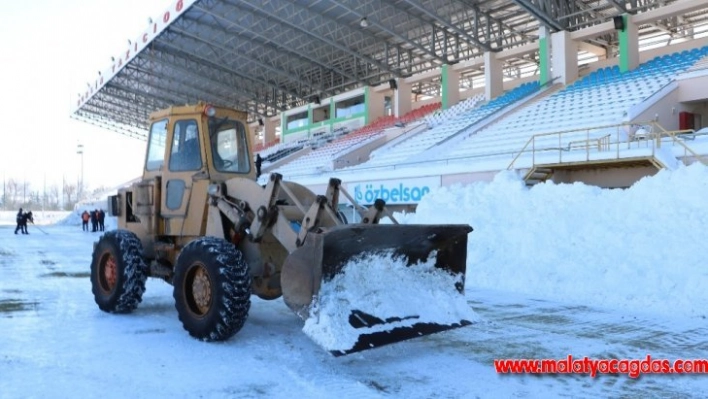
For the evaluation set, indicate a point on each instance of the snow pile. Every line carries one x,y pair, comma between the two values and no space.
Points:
384,287
74,219
638,249
666,157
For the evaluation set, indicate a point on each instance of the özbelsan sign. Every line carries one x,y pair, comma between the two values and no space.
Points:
395,191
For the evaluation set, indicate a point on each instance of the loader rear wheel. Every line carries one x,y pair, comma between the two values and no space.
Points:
118,272
212,289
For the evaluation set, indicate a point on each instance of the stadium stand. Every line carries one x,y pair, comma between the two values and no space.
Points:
321,159
476,136
601,98
456,125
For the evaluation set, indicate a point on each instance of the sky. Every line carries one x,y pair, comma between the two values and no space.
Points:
552,271
50,49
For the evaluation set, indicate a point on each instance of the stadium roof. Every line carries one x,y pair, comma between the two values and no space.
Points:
267,56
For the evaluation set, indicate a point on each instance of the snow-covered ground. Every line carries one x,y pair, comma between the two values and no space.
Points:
553,271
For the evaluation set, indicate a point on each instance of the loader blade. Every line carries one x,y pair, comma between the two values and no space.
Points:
395,334
349,324
414,242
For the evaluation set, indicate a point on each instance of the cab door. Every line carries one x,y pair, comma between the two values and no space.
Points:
182,179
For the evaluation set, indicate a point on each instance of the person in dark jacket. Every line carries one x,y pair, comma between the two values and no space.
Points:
26,216
259,162
94,220
101,217
19,222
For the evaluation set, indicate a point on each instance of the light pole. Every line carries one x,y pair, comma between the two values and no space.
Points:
80,189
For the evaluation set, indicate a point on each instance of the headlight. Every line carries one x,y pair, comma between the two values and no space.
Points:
209,111
214,189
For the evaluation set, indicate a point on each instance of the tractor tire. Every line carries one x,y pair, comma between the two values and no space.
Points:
118,272
212,289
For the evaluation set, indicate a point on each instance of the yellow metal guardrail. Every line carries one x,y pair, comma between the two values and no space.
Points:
602,139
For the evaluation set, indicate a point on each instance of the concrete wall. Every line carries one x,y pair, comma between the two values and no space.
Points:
693,89
691,44
606,178
666,111
467,93
467,178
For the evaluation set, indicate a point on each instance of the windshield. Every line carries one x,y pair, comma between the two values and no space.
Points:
229,146
156,145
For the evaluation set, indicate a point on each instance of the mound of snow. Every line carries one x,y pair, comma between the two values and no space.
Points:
74,218
634,249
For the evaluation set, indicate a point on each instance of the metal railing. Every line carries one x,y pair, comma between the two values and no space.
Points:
566,143
607,144
675,136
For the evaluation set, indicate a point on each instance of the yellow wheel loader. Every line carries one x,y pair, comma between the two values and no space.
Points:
199,220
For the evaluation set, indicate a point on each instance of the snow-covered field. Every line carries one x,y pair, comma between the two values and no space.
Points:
553,271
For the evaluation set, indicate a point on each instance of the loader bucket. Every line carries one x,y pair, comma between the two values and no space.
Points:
363,286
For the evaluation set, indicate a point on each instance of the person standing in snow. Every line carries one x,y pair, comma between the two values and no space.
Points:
84,220
259,162
19,222
26,216
94,221
101,216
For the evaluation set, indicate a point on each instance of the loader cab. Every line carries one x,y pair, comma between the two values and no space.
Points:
201,138
190,147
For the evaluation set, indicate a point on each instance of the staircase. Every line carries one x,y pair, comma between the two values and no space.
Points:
541,173
657,163
537,174
574,153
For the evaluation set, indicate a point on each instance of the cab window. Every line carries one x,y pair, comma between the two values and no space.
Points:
229,146
156,145
186,153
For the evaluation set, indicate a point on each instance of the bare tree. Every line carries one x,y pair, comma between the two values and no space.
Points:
99,192
34,199
69,190
53,197
12,188
26,193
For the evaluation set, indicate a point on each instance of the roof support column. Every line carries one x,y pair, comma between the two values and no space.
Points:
402,98
493,77
628,45
450,86
544,55
269,129
376,104
283,126
564,57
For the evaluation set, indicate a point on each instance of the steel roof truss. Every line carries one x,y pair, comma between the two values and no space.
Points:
300,20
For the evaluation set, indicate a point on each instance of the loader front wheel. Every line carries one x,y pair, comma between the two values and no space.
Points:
212,289
118,272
